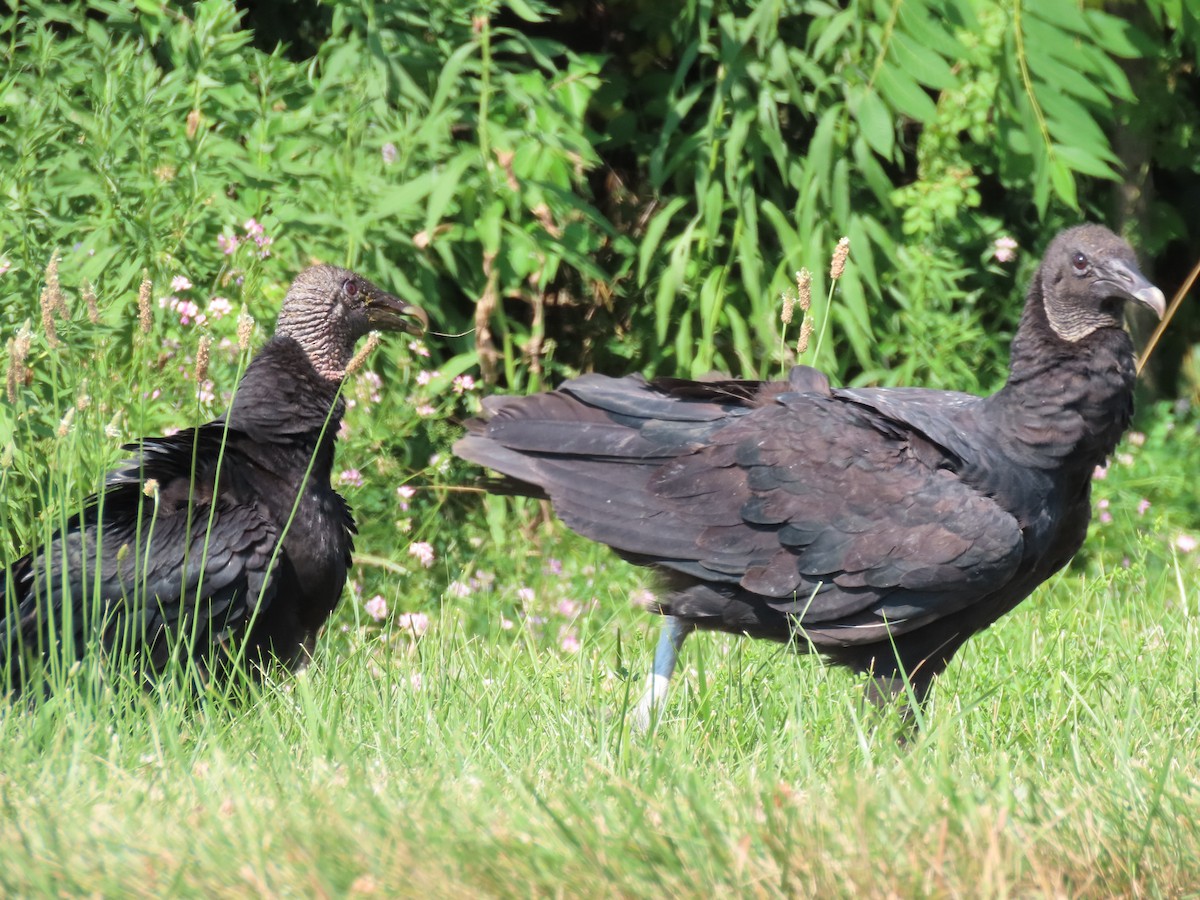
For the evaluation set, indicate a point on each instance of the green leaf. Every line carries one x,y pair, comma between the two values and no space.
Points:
819,158
875,122
1064,182
1068,78
1119,37
524,11
1061,14
1080,160
905,95
447,181
922,63
671,281
648,245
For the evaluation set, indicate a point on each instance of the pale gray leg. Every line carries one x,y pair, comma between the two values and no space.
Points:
670,639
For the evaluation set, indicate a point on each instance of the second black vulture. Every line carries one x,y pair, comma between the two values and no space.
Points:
220,541
881,527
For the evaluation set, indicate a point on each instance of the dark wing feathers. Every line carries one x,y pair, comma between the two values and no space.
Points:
145,582
773,487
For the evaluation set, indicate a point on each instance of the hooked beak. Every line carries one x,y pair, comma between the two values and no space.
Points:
389,313
1133,285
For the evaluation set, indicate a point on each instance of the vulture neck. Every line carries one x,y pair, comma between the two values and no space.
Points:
282,400
1066,403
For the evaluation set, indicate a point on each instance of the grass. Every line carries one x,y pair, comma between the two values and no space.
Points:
1057,760
489,756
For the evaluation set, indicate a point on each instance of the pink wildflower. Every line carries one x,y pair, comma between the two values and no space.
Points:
351,478
389,153
506,624
525,594
219,307
1004,249
1137,438
568,608
422,551
252,228
376,608
228,243
1142,506
5,264
568,642
1100,473
415,623
424,377
418,348
463,383
458,589
425,410
180,283
1186,543
405,493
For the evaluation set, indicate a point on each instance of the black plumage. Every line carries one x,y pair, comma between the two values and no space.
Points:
880,527
221,540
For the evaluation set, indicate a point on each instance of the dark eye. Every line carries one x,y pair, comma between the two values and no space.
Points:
350,286
1080,262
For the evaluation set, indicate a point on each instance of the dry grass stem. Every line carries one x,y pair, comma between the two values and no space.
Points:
361,356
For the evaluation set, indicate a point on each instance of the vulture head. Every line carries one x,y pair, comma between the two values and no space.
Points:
1088,275
328,309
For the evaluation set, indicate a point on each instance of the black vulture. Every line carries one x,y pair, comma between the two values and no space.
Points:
220,542
880,527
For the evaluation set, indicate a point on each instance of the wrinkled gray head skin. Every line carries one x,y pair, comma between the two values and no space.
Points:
328,309
1088,275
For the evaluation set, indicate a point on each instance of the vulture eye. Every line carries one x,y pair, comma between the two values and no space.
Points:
350,286
1080,263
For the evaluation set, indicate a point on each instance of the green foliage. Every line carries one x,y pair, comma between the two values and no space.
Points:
627,185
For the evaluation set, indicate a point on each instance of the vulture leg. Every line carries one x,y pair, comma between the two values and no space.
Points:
670,639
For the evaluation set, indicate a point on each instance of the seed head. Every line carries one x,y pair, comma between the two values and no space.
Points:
64,424
361,356
89,299
840,252
202,355
144,317
805,334
18,352
245,329
55,298
804,289
193,123
47,303
788,302
150,488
